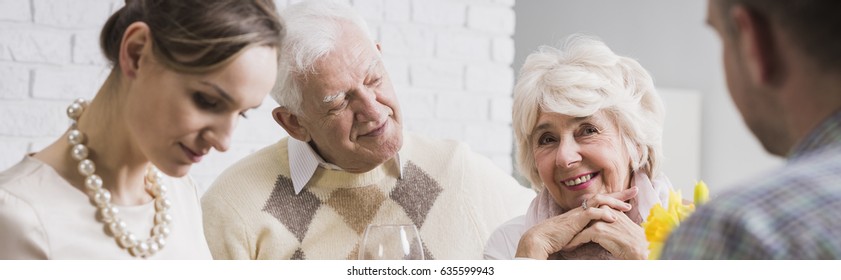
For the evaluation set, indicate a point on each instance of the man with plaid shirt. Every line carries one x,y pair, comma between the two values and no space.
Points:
783,65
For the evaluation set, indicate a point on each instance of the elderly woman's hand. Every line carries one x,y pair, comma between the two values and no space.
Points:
555,234
623,238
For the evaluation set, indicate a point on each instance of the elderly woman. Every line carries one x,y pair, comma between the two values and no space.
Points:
588,125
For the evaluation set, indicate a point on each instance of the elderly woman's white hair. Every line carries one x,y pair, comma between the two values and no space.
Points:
579,80
313,28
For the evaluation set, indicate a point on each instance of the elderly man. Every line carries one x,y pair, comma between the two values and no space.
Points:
347,163
783,64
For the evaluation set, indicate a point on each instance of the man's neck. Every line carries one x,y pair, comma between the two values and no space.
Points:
809,101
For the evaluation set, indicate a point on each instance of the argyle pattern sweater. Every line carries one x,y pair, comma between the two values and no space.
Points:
455,197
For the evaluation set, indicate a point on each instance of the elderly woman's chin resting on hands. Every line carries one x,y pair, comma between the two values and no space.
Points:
588,126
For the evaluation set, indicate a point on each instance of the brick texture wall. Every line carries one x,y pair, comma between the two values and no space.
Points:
450,61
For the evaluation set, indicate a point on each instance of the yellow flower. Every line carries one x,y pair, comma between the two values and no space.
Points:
661,221
702,193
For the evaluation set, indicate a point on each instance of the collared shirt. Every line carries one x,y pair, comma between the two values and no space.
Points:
303,161
790,213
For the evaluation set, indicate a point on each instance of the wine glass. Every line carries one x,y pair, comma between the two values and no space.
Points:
391,242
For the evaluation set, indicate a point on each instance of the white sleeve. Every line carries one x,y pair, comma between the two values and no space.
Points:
497,195
22,235
502,245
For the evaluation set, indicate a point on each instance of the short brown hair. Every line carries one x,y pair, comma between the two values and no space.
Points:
814,25
209,32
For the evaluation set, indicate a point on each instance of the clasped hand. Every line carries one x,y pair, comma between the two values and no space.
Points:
603,222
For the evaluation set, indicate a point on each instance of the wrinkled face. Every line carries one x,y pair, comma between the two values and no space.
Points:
349,107
760,111
176,118
577,158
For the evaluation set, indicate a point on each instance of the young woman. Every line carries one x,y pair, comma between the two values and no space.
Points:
114,185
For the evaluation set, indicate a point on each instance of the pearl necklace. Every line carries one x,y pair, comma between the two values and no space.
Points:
107,213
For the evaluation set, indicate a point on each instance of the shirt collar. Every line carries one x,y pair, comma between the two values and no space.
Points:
303,161
826,133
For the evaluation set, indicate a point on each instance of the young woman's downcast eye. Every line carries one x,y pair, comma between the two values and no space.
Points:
204,102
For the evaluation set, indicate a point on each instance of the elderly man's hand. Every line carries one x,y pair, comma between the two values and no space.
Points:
623,238
555,234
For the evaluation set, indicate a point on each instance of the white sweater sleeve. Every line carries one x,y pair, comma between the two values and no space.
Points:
502,245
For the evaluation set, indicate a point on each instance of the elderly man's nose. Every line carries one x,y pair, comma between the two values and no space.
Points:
369,109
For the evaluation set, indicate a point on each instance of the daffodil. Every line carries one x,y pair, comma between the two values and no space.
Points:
661,222
702,193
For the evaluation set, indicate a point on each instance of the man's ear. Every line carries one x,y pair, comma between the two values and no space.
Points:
291,124
755,44
136,43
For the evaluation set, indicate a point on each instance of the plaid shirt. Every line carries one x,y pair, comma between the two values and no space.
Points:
790,213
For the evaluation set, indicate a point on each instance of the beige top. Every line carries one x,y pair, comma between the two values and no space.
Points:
42,216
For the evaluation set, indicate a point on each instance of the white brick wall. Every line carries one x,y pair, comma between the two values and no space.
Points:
71,14
450,61
439,13
15,10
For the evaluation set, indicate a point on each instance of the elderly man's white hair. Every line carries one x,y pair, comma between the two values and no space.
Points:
579,80
312,30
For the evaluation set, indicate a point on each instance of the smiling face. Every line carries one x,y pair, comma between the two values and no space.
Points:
577,158
350,112
176,118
